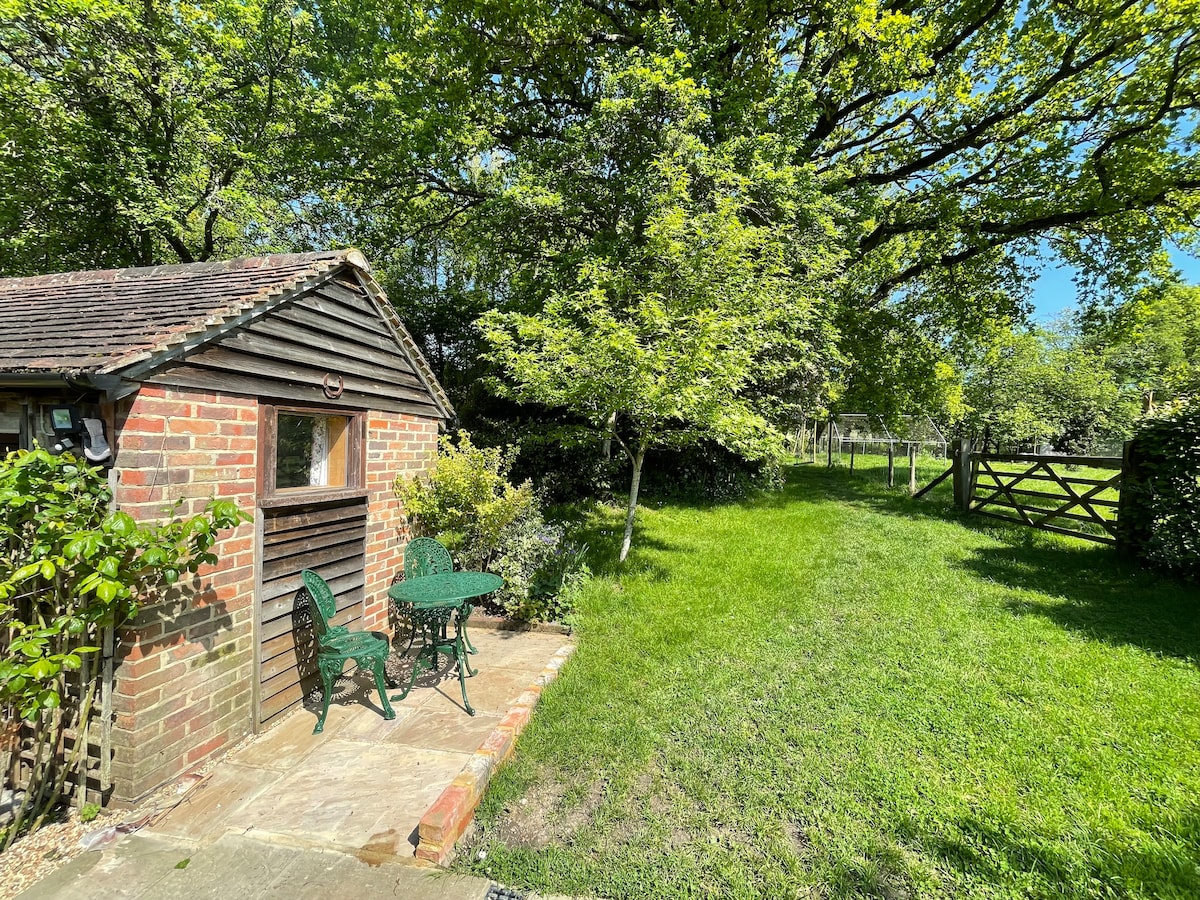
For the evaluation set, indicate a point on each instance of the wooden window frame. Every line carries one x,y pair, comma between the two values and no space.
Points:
268,431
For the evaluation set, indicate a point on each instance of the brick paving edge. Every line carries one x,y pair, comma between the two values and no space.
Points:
448,818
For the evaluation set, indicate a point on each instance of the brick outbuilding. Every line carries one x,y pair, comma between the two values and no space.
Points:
285,383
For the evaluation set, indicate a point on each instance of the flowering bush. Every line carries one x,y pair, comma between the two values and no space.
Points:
491,525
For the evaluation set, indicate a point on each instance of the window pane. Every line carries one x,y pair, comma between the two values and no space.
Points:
311,451
294,452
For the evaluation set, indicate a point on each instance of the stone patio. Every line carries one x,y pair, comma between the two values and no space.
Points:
363,786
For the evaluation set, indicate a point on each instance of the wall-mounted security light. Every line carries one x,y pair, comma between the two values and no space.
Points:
65,422
71,430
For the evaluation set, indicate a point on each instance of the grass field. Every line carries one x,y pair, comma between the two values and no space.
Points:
838,692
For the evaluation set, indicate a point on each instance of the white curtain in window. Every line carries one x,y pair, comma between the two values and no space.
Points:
319,471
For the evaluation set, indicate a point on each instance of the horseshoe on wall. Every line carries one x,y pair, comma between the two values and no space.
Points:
332,390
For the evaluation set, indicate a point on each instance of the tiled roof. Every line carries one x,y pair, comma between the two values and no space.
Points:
102,321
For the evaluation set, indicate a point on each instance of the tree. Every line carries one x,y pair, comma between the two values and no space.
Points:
1152,342
943,144
660,303
951,140
1031,386
143,132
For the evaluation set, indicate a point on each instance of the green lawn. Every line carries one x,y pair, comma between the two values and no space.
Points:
839,692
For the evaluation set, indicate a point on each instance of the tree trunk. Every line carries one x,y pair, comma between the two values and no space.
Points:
638,459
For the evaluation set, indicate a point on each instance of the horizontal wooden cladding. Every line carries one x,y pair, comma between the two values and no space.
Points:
280,610
370,364
282,374
329,538
333,330
218,378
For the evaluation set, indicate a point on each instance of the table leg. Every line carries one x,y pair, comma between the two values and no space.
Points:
418,663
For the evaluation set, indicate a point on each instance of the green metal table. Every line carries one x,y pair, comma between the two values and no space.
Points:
432,601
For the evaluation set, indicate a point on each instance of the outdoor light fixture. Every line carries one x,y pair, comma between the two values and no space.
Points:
71,429
66,424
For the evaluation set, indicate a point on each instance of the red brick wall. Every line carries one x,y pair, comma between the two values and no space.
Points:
396,444
186,665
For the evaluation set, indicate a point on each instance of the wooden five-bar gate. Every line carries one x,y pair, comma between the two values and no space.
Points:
1074,495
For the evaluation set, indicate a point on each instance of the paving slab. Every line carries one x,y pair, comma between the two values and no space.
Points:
444,729
291,814
147,868
498,688
204,812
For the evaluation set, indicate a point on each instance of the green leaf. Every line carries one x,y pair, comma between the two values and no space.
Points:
25,572
42,669
121,524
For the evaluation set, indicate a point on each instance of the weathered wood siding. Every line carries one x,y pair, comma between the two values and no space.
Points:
329,538
333,331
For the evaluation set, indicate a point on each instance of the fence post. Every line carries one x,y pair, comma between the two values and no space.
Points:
1126,542
852,459
891,465
912,468
829,444
962,475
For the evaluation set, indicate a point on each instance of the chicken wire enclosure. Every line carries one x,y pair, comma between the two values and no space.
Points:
870,434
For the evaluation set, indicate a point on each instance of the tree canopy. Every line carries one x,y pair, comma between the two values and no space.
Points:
135,133
889,172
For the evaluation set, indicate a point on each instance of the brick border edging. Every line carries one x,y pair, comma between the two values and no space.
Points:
445,821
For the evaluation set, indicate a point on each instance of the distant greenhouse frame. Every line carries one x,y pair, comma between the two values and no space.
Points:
869,433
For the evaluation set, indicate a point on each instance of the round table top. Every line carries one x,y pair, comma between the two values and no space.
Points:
449,589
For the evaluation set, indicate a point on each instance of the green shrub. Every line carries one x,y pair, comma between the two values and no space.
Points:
706,472
70,567
1161,514
489,524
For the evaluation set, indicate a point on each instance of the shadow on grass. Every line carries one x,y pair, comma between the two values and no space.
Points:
999,853
1099,594
602,528
1102,598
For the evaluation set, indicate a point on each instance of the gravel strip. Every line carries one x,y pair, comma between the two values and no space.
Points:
36,855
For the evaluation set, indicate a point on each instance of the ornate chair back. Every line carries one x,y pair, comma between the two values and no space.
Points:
426,556
323,604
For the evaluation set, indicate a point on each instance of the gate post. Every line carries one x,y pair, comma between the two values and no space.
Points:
962,475
1126,541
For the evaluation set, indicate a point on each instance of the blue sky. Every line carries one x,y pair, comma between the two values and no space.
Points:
1054,291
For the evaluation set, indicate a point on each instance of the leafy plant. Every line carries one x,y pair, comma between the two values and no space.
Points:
491,525
70,567
1161,515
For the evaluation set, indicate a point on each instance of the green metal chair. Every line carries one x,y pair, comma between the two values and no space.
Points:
428,556
337,643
